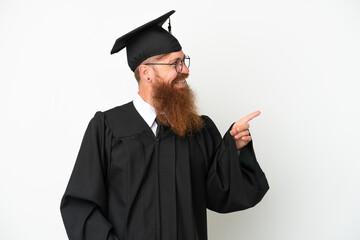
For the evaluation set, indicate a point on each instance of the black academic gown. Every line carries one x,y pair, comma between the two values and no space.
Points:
128,184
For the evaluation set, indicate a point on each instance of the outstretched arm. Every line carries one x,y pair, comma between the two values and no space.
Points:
234,182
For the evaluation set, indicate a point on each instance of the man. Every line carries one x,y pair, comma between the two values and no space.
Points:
147,170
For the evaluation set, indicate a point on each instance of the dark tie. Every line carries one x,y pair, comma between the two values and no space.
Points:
159,127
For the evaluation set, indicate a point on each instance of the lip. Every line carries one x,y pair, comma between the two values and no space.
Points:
180,84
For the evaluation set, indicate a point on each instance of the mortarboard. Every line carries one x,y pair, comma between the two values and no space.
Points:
147,41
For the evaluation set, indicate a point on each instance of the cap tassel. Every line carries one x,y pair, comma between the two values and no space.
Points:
169,27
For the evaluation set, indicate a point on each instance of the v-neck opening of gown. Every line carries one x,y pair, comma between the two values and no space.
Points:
148,128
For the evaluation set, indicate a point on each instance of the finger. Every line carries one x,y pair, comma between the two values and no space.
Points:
242,127
242,134
233,131
249,117
238,128
246,138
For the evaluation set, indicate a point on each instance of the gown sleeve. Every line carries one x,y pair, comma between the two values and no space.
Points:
84,204
234,181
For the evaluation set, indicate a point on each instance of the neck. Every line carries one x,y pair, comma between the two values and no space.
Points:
146,95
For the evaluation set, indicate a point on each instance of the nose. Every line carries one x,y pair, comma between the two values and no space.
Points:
185,69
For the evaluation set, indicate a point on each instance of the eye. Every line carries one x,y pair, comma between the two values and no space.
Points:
178,60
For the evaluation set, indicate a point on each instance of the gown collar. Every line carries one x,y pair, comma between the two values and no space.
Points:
125,121
146,111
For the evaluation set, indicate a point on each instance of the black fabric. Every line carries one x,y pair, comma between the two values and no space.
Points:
129,184
147,41
159,127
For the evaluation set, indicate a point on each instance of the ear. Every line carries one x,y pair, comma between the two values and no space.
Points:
145,73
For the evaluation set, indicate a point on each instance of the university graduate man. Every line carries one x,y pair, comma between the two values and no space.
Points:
147,170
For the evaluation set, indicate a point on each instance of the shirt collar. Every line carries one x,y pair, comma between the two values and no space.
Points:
146,111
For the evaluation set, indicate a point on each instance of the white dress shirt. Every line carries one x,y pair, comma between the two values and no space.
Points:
146,111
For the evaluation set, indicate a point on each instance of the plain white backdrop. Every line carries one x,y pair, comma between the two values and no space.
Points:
296,61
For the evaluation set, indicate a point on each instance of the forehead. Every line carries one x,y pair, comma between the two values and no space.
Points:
174,55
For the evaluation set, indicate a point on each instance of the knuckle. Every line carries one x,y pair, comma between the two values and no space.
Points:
245,126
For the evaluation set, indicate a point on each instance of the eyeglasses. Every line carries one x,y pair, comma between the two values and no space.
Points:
178,64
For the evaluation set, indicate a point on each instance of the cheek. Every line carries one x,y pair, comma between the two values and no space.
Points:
170,78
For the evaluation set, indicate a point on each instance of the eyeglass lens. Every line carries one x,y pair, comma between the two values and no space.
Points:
179,64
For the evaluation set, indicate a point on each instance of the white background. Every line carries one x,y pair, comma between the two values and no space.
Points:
296,61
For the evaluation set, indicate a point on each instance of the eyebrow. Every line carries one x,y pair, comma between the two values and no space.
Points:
172,61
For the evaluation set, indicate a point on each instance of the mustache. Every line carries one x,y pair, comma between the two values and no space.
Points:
180,77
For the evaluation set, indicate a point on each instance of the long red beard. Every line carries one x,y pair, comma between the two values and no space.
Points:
175,107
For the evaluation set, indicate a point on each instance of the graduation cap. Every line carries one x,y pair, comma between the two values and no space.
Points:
147,41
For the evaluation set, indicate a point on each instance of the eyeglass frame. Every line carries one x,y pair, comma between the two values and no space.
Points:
182,63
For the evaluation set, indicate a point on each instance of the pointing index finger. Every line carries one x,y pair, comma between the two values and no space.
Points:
250,116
